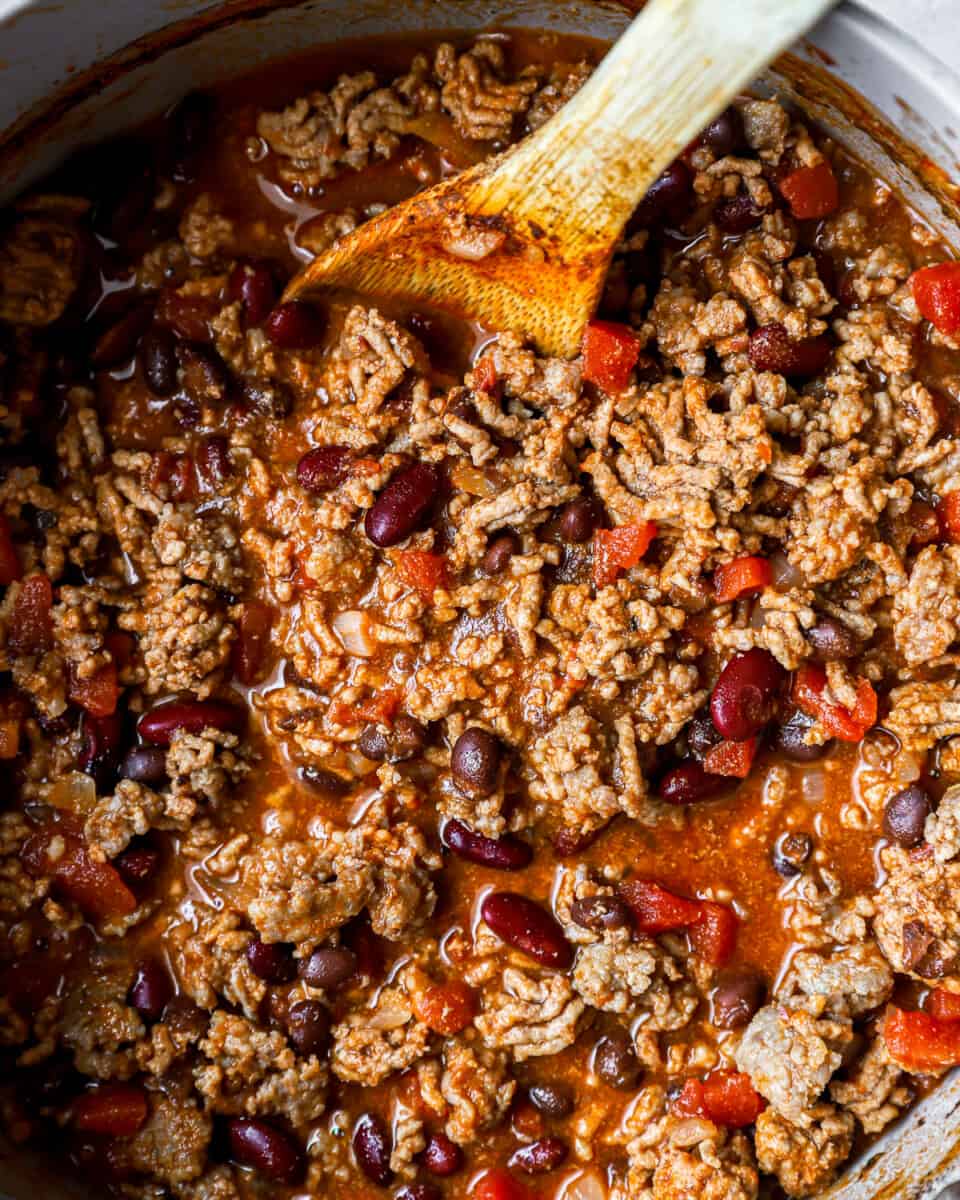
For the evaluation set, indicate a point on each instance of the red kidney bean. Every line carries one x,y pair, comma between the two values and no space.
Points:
600,912
213,461
832,641
552,1099
745,696
271,961
403,505
145,764
137,865
161,723
615,1060
119,341
539,1157
151,989
101,744
113,1109
791,853
499,552
735,999
688,783
667,196
158,360
308,1027
506,853
269,1150
204,374
324,468
294,325
905,816
725,133
405,739
371,1148
328,968
253,285
523,924
737,214
475,762
441,1156
579,519
771,349
571,841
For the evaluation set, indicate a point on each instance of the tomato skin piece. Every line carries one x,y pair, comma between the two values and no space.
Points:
610,352
422,571
714,933
616,550
97,694
655,909
95,887
811,192
10,566
691,1101
446,1008
498,1184
31,625
918,1041
250,648
948,517
847,725
943,1005
731,1099
741,577
936,290
733,759
484,373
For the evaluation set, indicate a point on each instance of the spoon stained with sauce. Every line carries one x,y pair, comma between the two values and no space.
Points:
522,241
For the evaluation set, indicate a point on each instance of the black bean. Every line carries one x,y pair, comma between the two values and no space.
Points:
790,739
325,781
725,133
475,761
790,854
267,398
552,1099
308,1027
328,968
702,735
600,912
615,1060
403,505
271,961
405,739
832,641
499,552
269,1150
158,360
204,374
906,815
737,214
371,1147
151,989
668,195
145,764
579,519
735,999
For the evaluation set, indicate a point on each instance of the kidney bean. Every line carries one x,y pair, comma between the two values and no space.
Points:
505,853
151,989
294,325
137,865
600,912
771,349
832,641
615,1060
419,1191
161,723
324,468
157,355
570,841
725,133
113,1109
688,783
667,196
906,815
579,519
191,123
403,505
499,552
405,739
523,924
789,738
737,214
271,961
308,1027
540,1156
145,764
552,1099
101,745
790,854
702,735
204,374
328,968
744,698
213,461
371,1147
118,342
269,399
269,1150
441,1156
253,285
735,999
325,781
475,762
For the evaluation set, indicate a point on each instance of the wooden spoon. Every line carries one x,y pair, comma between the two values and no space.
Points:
523,241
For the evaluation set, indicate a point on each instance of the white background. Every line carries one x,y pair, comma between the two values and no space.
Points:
935,23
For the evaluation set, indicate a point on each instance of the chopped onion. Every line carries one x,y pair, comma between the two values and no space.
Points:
584,1185
473,242
353,630
75,792
785,574
471,480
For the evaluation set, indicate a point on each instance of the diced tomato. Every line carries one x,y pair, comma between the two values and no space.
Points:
446,1008
121,647
380,708
98,693
714,933
811,192
116,1109
422,571
849,725
733,759
498,1184
610,352
691,1101
94,887
742,577
936,291
655,909
176,471
484,374
188,315
943,1005
250,648
31,626
918,1041
10,568
616,550
727,1098
948,517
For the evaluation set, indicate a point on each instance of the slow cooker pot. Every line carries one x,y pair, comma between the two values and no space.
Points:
72,75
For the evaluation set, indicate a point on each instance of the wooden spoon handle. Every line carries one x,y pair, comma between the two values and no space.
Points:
584,172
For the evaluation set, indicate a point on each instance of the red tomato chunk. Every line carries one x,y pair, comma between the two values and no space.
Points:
811,192
919,1041
741,577
610,352
936,291
617,550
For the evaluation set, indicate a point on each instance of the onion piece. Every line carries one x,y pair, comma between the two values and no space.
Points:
785,574
583,1185
353,628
